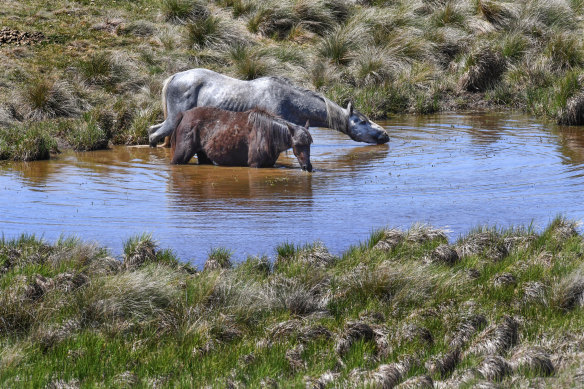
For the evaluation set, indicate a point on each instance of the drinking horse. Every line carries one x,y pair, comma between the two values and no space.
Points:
252,138
276,95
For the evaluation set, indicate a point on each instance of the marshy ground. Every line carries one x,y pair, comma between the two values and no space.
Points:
497,308
83,74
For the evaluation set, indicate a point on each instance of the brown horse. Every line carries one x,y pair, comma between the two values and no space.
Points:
252,138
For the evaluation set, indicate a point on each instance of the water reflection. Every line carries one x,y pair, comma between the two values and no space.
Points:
356,158
571,144
203,187
453,171
34,174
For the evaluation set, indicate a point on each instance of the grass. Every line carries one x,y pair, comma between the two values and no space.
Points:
387,57
383,313
27,142
87,135
203,33
45,98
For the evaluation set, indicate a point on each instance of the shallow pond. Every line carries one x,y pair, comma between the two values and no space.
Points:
451,171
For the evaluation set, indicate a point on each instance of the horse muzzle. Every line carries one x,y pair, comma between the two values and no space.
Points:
307,167
382,138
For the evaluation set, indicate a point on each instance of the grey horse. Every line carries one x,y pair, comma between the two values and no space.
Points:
202,87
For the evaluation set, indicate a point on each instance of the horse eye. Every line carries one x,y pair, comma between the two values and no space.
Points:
362,122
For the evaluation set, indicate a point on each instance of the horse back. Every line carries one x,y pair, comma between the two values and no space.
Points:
227,137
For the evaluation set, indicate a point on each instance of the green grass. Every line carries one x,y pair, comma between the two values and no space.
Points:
109,58
203,32
87,135
381,308
27,142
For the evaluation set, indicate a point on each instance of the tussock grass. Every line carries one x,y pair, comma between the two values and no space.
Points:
484,69
248,62
27,142
45,98
213,31
87,135
182,11
111,71
219,258
381,314
340,45
137,132
146,295
385,56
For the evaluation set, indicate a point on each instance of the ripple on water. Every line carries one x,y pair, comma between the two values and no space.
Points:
452,171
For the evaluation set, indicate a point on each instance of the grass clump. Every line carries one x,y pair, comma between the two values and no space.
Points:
204,32
28,142
182,11
484,70
248,63
45,98
137,132
106,70
219,258
147,294
396,309
339,45
87,134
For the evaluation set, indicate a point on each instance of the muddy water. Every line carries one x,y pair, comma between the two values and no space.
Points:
452,171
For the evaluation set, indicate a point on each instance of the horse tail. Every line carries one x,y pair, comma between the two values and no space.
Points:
173,136
164,88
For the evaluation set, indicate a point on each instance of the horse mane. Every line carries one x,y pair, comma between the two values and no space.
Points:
270,132
336,116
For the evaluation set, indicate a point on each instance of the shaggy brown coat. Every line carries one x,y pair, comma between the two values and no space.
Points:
253,138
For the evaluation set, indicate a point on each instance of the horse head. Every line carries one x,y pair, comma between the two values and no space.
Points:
361,129
301,140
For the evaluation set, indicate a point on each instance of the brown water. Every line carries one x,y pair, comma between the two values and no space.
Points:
451,171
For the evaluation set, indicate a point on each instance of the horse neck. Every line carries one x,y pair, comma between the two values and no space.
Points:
337,117
283,141
272,135
324,113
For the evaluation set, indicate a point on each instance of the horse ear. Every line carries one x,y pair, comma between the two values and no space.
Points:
350,108
307,124
291,129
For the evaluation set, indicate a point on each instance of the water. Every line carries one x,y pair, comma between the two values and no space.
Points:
451,171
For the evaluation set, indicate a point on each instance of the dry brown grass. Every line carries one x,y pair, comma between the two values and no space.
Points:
496,339
484,69
534,360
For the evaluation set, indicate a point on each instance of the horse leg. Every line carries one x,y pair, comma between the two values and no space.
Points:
165,129
203,159
166,142
154,128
